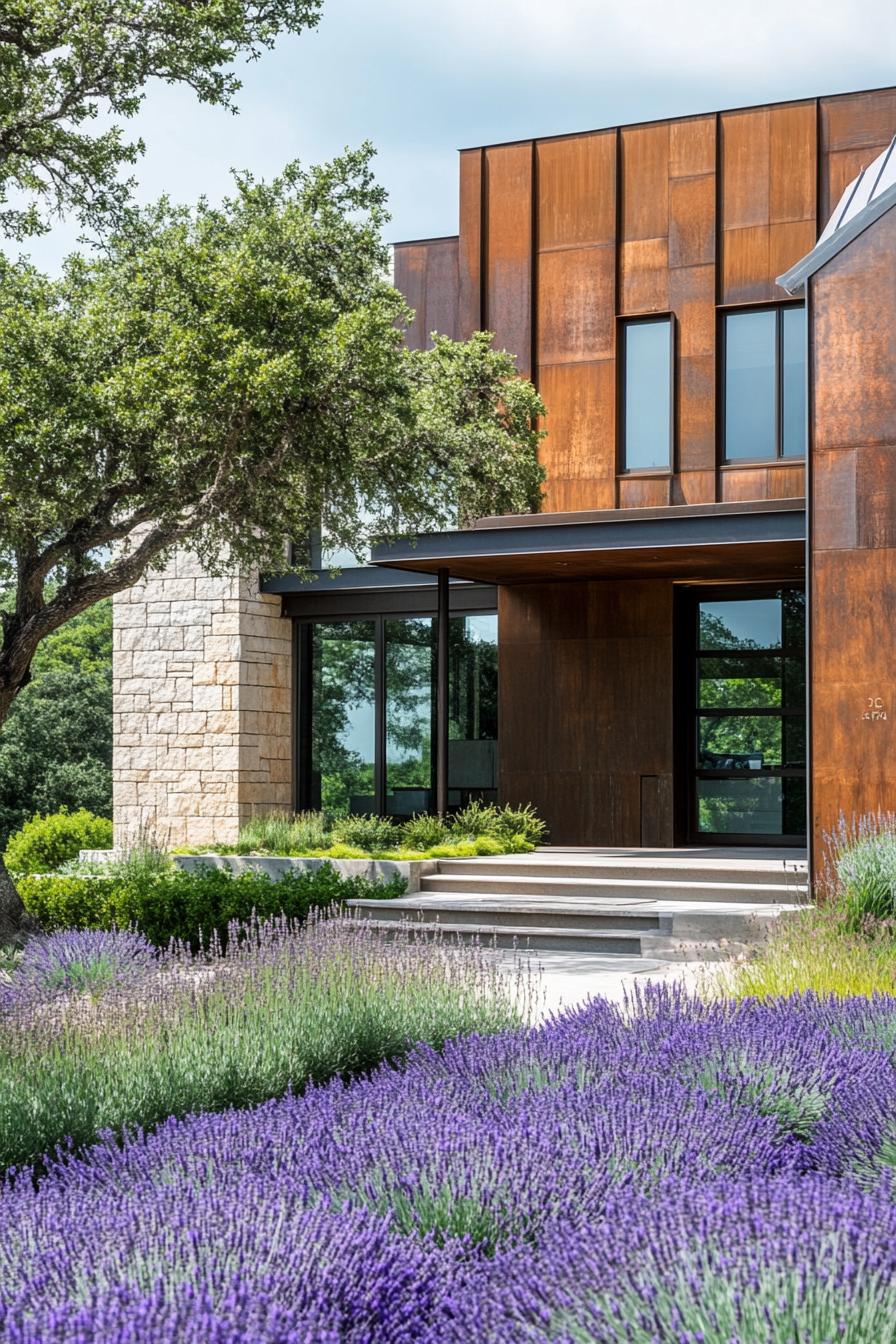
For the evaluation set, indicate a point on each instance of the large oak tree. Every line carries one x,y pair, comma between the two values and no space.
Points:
70,70
228,378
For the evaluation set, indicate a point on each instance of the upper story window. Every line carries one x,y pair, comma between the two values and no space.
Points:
764,361
647,394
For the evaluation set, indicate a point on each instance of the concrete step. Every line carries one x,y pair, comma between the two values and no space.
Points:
664,929
672,871
520,913
608,942
474,882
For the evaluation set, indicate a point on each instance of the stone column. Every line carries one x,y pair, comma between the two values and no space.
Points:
202,706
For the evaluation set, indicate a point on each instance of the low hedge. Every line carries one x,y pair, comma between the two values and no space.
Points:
189,906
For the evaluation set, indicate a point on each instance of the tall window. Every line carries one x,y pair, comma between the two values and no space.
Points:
367,696
647,395
750,717
764,356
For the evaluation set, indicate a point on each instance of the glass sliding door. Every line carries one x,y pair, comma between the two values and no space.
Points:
410,700
343,718
749,735
473,709
367,703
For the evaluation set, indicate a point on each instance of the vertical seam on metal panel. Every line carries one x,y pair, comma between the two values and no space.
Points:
483,240
379,714
819,168
533,267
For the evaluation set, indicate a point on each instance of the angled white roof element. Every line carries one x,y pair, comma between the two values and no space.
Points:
867,197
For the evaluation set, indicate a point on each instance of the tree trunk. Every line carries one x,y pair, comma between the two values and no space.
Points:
15,922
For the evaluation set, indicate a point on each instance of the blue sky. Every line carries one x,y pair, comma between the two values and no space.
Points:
422,80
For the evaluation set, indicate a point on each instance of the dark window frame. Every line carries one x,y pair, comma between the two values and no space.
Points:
623,323
732,463
689,711
303,691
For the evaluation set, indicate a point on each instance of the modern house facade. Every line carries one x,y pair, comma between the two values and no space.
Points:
669,653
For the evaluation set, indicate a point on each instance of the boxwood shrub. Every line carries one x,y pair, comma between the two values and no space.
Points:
189,906
46,842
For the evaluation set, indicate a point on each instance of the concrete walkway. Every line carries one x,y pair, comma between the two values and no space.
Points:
569,979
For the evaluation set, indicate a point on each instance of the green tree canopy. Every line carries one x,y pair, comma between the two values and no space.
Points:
70,65
228,379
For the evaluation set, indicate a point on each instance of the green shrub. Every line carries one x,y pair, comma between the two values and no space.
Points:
191,906
367,833
46,842
862,867
523,823
504,823
423,831
284,833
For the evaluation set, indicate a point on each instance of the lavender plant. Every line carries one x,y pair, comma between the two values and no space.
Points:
281,1006
646,1173
76,962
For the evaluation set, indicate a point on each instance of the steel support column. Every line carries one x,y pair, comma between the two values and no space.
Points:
442,624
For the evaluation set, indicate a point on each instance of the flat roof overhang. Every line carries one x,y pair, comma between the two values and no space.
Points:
759,540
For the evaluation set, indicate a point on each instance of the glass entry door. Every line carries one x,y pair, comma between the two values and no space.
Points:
748,717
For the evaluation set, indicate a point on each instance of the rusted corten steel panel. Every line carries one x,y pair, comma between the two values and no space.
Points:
575,317
574,649
426,273
768,197
710,210
508,250
853,532
469,264
644,235
580,449
692,297
855,127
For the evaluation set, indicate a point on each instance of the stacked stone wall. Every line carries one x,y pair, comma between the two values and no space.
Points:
202,706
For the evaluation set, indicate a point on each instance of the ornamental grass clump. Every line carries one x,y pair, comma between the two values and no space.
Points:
281,1007
817,949
862,867
664,1170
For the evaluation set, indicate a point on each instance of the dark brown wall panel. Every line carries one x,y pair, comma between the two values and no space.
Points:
768,164
410,278
508,246
644,492
585,677
853,532
427,275
469,307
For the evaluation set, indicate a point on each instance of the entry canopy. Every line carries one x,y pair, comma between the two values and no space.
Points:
867,197
764,540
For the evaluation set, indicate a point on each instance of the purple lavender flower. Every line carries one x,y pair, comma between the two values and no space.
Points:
674,1171
77,961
